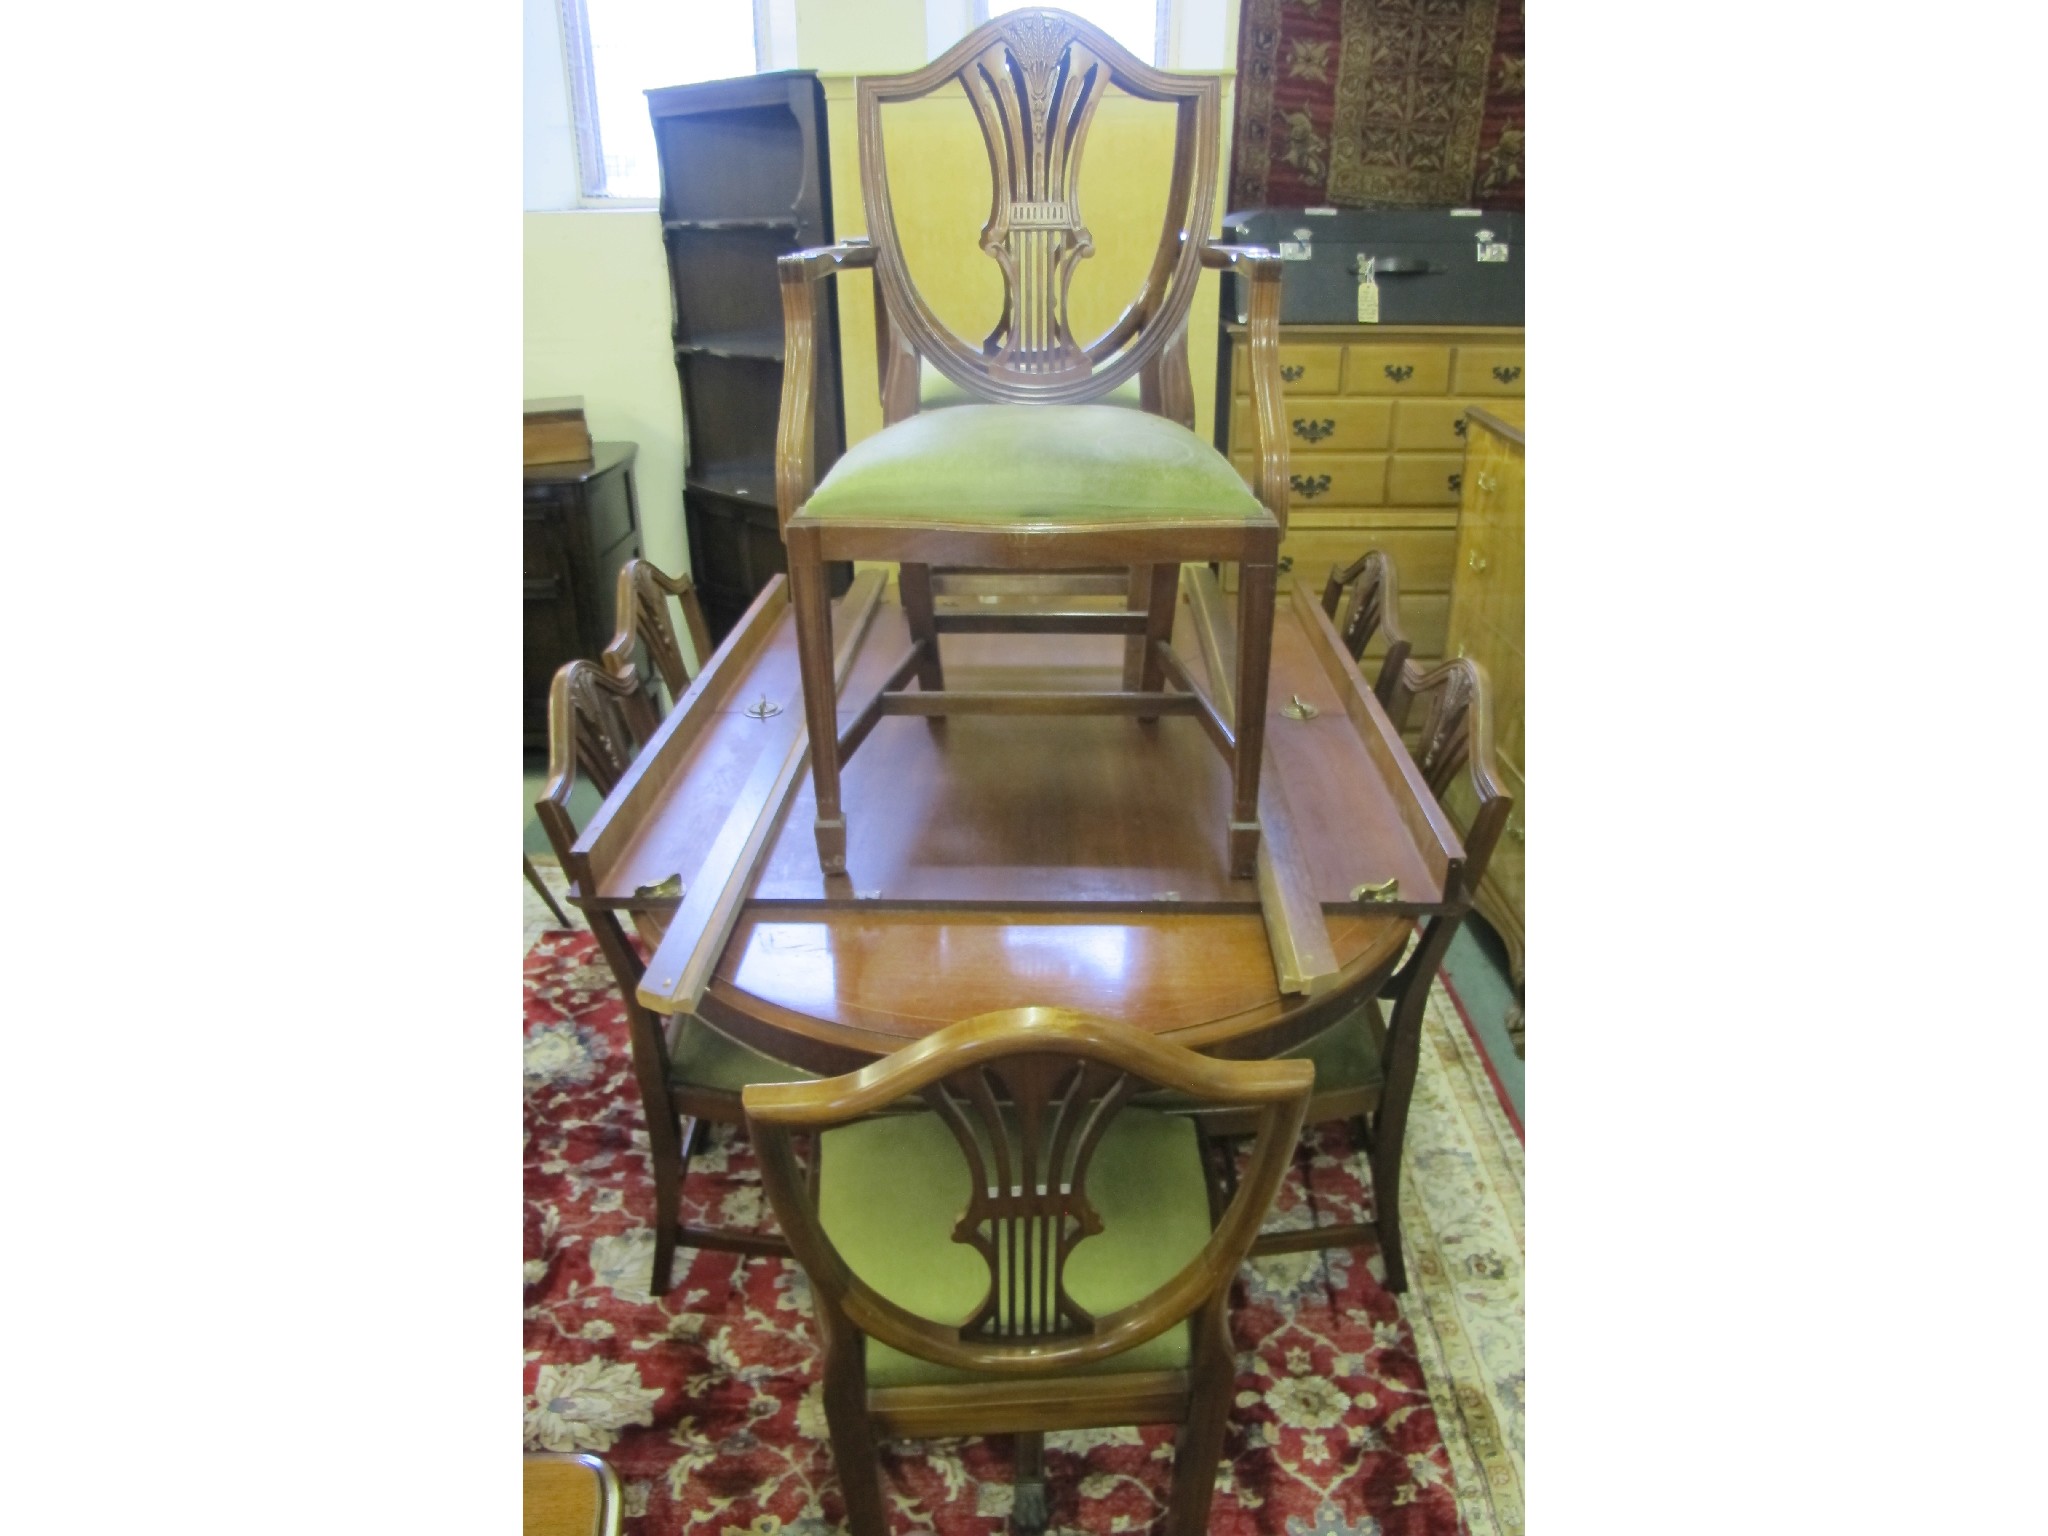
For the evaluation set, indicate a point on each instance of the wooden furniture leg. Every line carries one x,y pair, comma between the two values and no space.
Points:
533,879
854,1452
812,603
1030,1508
1255,587
1409,986
914,582
1198,1449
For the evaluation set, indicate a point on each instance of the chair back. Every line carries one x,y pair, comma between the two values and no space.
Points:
1369,593
644,626
1457,737
597,723
1034,79
1028,1094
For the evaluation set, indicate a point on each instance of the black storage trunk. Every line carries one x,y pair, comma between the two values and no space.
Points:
1434,266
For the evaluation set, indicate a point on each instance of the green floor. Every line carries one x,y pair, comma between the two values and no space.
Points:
1477,963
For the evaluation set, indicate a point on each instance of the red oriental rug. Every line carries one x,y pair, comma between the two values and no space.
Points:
706,1400
1378,104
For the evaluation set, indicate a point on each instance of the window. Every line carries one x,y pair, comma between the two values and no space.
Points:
618,49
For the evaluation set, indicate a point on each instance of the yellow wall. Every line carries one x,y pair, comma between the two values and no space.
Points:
597,325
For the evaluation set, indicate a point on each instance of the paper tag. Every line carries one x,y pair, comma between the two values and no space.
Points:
1368,294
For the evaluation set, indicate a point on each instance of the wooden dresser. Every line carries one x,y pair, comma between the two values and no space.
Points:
582,524
1486,624
1383,446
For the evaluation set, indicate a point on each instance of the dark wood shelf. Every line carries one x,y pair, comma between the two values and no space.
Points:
745,346
786,221
749,480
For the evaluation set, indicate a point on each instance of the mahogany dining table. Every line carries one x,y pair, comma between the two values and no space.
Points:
1001,861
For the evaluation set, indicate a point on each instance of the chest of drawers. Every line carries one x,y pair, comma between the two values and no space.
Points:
582,523
1376,447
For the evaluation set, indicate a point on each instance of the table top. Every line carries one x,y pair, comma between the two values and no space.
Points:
1004,861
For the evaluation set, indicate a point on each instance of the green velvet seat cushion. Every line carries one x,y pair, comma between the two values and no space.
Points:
890,1190
935,390
1344,1055
1029,464
703,1058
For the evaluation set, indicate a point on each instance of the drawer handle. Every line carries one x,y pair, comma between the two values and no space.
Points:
1314,431
1292,372
1507,375
1309,487
1486,482
1457,482
1458,426
1515,831
1286,564
1477,562
1400,373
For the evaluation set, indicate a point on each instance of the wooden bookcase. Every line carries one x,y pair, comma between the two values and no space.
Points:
744,179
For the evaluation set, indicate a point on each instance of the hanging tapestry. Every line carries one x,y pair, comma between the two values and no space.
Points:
1378,104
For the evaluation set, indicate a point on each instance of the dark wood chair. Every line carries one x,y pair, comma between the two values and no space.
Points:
645,629
1368,594
1041,472
1365,1064
689,1075
533,879
1028,1253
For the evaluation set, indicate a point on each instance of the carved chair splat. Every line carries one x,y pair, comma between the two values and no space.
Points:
643,623
1025,489
1036,1103
1370,595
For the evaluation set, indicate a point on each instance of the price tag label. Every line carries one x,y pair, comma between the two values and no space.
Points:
1368,293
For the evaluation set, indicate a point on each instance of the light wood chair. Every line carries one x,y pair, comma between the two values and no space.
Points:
1369,595
689,1075
645,628
1029,1253
1365,1063
1042,472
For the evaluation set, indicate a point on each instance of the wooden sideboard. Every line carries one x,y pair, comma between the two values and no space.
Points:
1486,624
582,523
1376,450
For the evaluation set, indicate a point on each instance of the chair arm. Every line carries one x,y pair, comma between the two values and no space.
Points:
795,474
1262,362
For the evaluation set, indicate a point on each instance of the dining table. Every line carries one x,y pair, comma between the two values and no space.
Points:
1001,861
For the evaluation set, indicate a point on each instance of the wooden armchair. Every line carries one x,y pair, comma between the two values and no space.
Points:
1365,1063
1028,1254
644,626
689,1075
1369,594
1041,471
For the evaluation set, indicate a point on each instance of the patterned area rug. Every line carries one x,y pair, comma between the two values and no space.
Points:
1378,104
1350,1418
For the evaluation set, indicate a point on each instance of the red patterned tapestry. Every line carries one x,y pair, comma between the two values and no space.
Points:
1378,104
706,1400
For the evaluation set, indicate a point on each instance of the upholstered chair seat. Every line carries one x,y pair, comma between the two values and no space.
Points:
701,1057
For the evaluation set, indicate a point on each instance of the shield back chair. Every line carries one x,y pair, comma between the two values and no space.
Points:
1369,594
1027,1252
645,628
1041,470
1365,1063
689,1075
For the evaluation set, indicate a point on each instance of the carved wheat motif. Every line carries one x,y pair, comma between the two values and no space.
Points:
1028,1130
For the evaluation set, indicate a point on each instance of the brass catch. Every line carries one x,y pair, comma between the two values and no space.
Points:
764,710
1387,890
1298,708
672,886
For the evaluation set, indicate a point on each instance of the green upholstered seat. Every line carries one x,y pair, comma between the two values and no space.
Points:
890,1190
1344,1055
703,1058
1017,464
935,390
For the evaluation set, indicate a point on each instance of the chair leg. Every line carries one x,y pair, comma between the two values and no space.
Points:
1030,1508
1255,586
914,583
813,605
1403,1055
1199,1450
533,879
854,1455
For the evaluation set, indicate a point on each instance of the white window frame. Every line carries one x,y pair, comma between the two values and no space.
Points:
1162,34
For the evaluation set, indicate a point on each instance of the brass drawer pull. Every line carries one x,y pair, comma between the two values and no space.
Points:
1314,431
1286,564
1507,375
1309,487
1476,562
1291,372
1400,373
1486,482
1515,831
1458,426
1457,481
